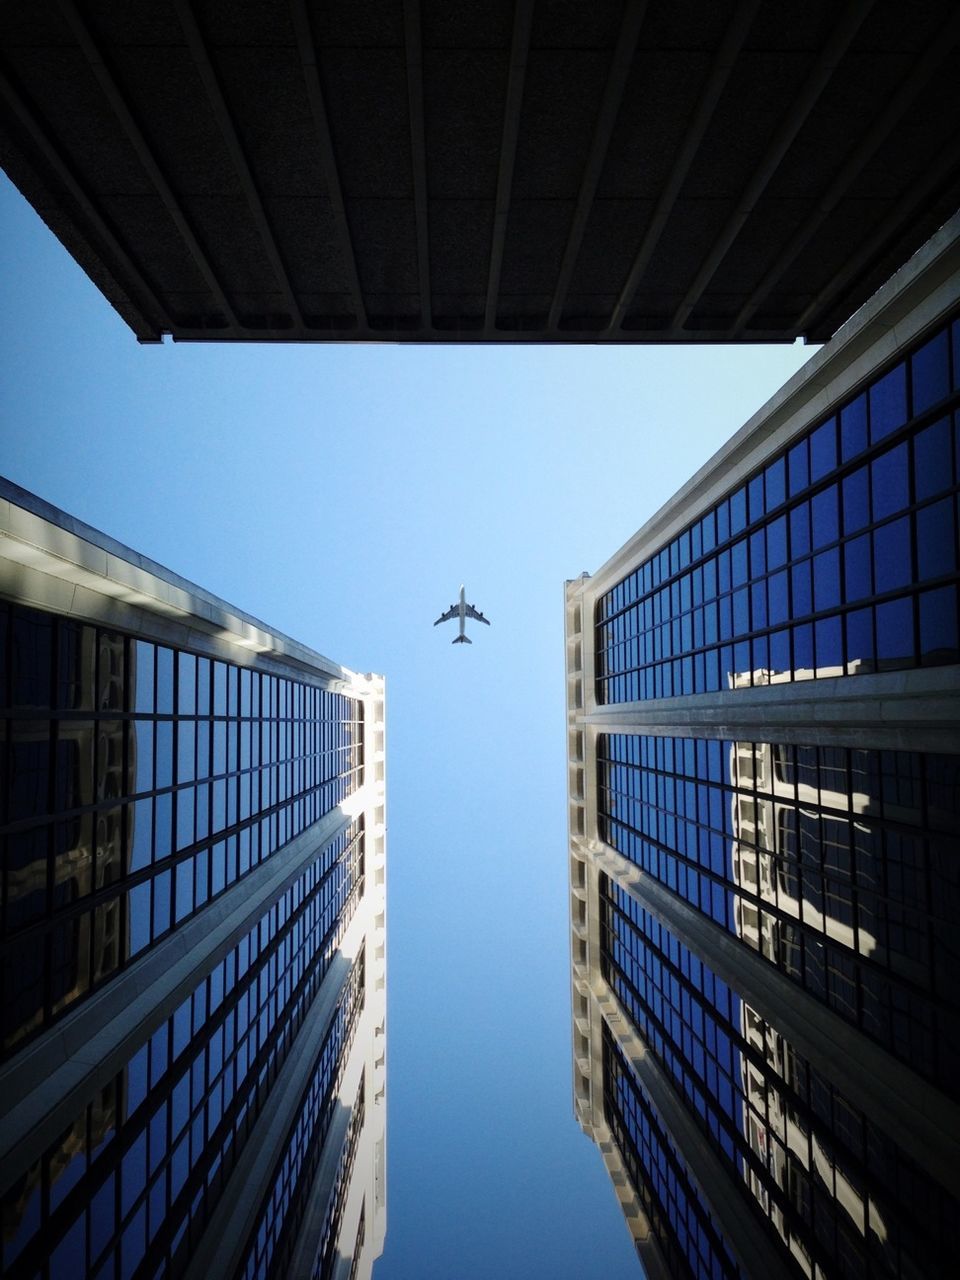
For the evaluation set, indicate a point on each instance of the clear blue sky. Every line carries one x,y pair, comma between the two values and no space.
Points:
342,494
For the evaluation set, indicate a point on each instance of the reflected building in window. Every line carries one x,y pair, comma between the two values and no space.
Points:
764,799
192,925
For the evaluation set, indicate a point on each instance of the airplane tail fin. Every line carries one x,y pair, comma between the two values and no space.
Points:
461,640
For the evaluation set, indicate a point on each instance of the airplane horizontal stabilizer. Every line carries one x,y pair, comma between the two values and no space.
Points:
461,640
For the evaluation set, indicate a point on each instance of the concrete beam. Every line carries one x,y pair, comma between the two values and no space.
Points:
896,710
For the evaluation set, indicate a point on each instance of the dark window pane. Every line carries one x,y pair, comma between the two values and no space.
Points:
890,482
776,483
723,522
798,465
826,580
930,372
138,913
823,450
800,530
858,580
164,681
738,511
777,543
936,540
860,651
853,428
829,642
801,585
142,656
895,632
856,501
756,499
825,517
803,651
780,651
187,687
779,598
938,626
933,460
888,403
738,560
29,756
111,666
75,666
26,876
891,555
32,652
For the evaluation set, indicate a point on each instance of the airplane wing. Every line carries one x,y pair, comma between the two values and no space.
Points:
477,616
445,617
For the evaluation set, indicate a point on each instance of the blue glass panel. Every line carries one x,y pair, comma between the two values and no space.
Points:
858,579
758,554
138,909
68,1260
777,542
779,597
756,499
161,903
133,1173
891,555
776,483
823,450
930,372
803,649
708,532
938,626
800,581
723,522
824,510
933,460
798,463
829,643
800,530
826,579
859,627
936,540
890,482
895,632
164,753
738,511
102,1217
143,699
780,651
888,403
853,428
856,501
758,606
164,681
162,826
187,684
955,343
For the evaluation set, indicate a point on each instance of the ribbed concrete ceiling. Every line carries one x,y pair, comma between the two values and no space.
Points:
483,170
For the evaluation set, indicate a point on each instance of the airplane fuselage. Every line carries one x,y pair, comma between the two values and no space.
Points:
463,611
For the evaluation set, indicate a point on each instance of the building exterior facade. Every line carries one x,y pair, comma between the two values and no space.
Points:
763,698
192,1080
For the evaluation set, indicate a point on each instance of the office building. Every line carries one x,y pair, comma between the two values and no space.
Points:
763,698
511,171
192,1079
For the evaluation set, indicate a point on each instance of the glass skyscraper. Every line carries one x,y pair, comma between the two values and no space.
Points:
193,958
764,782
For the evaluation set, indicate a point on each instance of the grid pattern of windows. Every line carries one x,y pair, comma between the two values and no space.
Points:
836,865
683,1226
837,1190
142,1167
325,1263
138,782
274,1238
839,557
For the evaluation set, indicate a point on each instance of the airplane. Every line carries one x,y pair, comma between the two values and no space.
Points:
463,611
